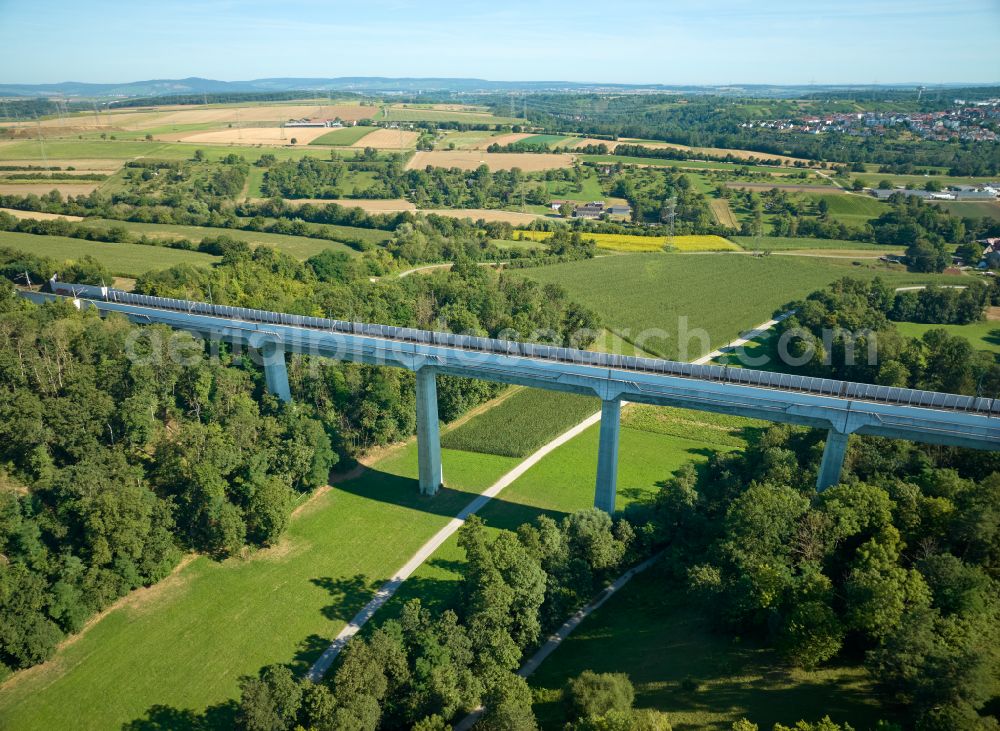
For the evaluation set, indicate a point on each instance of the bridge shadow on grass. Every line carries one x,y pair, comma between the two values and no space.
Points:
405,492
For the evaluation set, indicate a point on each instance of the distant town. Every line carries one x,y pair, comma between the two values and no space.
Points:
975,122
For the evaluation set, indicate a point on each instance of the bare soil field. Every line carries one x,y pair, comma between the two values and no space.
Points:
388,139
38,215
255,136
472,159
486,214
44,186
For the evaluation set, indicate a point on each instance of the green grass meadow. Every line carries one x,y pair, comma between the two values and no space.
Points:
983,335
125,260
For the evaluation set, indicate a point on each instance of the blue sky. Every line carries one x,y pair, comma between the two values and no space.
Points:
638,41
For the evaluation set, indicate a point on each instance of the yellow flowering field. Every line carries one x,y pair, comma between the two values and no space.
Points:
631,243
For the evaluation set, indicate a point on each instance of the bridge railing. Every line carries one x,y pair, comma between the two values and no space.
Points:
744,376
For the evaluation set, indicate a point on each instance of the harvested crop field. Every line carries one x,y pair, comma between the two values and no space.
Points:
723,213
38,215
485,214
715,151
257,136
507,139
472,159
44,186
221,115
586,141
388,139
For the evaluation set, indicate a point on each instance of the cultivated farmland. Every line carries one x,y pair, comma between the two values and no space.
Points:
257,136
472,159
633,244
683,307
343,137
521,423
125,260
388,139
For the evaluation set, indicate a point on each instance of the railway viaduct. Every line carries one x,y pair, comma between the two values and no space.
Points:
841,408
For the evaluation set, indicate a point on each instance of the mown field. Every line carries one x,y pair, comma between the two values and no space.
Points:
521,423
124,260
683,307
549,140
343,137
852,210
983,335
632,244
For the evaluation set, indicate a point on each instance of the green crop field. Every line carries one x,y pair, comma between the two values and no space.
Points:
343,137
301,247
703,301
983,335
702,679
125,260
521,423
185,643
787,243
548,140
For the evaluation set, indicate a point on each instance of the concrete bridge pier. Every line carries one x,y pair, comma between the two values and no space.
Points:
275,370
833,459
607,455
428,433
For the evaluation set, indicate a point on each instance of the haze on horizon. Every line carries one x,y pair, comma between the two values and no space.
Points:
634,41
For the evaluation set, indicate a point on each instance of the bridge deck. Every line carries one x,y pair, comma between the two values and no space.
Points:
710,373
